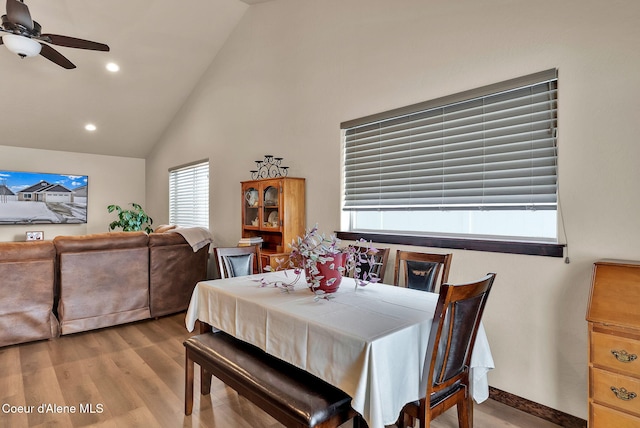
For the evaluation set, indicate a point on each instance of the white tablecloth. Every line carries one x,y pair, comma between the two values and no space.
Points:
370,342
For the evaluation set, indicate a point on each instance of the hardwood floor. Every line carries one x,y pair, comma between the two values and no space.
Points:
133,376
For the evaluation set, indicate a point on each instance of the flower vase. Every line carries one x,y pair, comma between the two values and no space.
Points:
331,274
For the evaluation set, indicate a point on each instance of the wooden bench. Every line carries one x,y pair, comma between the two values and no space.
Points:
292,396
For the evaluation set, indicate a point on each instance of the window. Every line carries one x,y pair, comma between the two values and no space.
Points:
482,163
189,195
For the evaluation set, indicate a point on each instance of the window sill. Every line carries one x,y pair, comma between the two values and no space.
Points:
508,247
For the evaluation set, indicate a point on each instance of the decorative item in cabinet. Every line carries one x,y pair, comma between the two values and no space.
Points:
250,207
274,209
614,344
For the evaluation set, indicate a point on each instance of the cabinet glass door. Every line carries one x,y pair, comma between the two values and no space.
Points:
271,207
251,207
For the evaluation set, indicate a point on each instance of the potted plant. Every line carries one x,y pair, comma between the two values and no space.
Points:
324,262
131,220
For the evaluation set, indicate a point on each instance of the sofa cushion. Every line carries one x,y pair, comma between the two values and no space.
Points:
100,241
21,251
165,228
174,271
26,292
103,280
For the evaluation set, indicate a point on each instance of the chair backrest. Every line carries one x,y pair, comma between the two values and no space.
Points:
380,266
238,261
453,333
421,271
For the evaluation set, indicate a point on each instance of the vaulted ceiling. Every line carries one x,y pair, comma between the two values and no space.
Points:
162,47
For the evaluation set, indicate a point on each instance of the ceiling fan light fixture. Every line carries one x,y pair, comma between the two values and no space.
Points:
21,46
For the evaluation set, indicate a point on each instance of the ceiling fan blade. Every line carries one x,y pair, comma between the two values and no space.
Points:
18,13
53,55
72,42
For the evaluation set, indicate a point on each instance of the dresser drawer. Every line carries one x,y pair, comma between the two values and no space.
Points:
627,387
604,417
615,352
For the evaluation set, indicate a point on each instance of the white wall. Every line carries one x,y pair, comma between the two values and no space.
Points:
112,180
293,70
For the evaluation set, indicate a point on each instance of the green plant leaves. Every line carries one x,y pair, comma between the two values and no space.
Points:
131,220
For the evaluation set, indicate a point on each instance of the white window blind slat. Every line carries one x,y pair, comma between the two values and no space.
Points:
490,152
189,195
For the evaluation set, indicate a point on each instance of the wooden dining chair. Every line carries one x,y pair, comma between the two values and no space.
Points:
451,340
421,271
380,258
238,261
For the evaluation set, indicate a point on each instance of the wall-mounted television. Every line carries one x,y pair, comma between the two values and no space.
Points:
42,198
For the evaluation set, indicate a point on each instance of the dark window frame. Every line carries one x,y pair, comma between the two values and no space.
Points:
496,246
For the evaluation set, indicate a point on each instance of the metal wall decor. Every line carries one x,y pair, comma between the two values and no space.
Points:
269,168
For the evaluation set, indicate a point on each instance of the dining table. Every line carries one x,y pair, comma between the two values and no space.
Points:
370,341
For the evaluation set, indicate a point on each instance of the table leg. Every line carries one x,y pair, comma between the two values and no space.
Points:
204,327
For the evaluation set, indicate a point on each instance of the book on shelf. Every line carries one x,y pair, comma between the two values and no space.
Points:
251,240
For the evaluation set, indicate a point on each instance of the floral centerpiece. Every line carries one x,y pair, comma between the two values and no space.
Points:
324,262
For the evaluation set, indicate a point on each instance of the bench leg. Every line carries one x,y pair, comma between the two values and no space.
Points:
205,381
188,384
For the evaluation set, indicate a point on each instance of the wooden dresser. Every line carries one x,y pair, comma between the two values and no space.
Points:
614,345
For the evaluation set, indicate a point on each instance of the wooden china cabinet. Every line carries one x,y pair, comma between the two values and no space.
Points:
614,345
274,209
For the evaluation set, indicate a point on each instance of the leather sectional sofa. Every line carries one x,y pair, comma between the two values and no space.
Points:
79,283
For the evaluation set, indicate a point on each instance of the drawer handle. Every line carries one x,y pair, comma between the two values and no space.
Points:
623,394
623,356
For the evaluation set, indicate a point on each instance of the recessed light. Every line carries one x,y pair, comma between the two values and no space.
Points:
113,67
90,127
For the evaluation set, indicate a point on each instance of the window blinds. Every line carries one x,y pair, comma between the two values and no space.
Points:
189,195
491,148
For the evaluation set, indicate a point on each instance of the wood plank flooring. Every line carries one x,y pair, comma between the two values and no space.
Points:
133,376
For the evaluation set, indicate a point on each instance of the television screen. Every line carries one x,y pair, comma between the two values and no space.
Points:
40,198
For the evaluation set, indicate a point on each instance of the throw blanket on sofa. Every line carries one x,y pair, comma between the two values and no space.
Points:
197,237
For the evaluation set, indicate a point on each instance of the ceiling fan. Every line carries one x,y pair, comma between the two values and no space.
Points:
22,34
